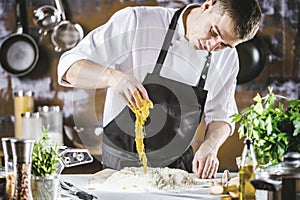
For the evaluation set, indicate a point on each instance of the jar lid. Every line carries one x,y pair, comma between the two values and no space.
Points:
22,93
49,109
30,115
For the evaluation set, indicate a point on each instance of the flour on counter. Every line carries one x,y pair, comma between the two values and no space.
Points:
133,179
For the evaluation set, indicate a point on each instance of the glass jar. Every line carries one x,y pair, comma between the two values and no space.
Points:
52,119
23,102
31,125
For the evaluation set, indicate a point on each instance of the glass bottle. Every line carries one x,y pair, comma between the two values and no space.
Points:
246,171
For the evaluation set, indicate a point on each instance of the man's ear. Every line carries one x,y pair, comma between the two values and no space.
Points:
208,4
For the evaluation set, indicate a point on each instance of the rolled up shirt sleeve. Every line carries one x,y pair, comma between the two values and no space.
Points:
221,104
106,45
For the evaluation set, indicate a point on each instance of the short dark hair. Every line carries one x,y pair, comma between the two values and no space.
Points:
246,14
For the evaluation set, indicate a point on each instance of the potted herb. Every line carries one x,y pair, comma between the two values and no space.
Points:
45,163
273,123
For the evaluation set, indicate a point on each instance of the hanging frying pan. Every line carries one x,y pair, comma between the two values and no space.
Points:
65,35
252,58
19,52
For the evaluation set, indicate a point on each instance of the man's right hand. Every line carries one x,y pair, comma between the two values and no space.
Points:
128,87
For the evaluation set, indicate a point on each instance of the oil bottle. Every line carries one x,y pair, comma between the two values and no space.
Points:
246,171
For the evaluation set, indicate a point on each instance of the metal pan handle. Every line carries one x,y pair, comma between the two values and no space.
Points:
267,184
18,17
60,8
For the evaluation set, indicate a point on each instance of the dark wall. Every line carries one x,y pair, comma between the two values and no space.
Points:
279,36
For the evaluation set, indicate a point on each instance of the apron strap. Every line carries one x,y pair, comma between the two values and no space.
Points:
167,42
204,71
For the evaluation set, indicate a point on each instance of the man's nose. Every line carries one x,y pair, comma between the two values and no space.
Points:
214,43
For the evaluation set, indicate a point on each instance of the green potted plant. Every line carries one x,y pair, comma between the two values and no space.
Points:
273,123
45,163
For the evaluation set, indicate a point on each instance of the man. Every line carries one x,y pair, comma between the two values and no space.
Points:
119,54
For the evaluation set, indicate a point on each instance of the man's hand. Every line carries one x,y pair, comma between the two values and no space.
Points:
205,163
130,90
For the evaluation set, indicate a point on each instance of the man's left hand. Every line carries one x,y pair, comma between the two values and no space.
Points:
205,163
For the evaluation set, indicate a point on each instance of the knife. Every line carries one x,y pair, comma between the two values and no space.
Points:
76,191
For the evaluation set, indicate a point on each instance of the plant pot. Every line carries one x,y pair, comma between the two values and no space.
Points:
46,188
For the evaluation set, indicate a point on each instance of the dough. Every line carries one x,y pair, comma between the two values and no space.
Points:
134,179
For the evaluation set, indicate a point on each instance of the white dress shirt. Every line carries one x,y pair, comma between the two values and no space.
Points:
131,41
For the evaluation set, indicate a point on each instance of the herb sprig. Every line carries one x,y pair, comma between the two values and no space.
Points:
273,127
45,156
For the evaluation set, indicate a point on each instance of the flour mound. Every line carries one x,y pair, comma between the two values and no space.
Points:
155,179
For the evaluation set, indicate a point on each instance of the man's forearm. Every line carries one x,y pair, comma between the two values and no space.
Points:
88,75
216,134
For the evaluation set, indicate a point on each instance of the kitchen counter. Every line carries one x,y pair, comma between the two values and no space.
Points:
82,181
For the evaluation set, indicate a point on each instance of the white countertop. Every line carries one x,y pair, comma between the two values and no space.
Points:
83,182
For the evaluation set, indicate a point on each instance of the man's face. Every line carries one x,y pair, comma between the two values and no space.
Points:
210,30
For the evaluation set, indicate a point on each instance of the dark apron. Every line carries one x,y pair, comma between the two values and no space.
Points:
171,125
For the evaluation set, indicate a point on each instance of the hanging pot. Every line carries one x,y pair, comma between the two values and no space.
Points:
46,18
282,181
19,52
65,35
252,58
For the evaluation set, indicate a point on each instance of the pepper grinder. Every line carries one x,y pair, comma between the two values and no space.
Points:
22,151
9,167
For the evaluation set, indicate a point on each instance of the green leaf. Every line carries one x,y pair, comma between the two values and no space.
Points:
236,117
256,122
257,98
258,108
255,135
262,124
269,125
241,130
